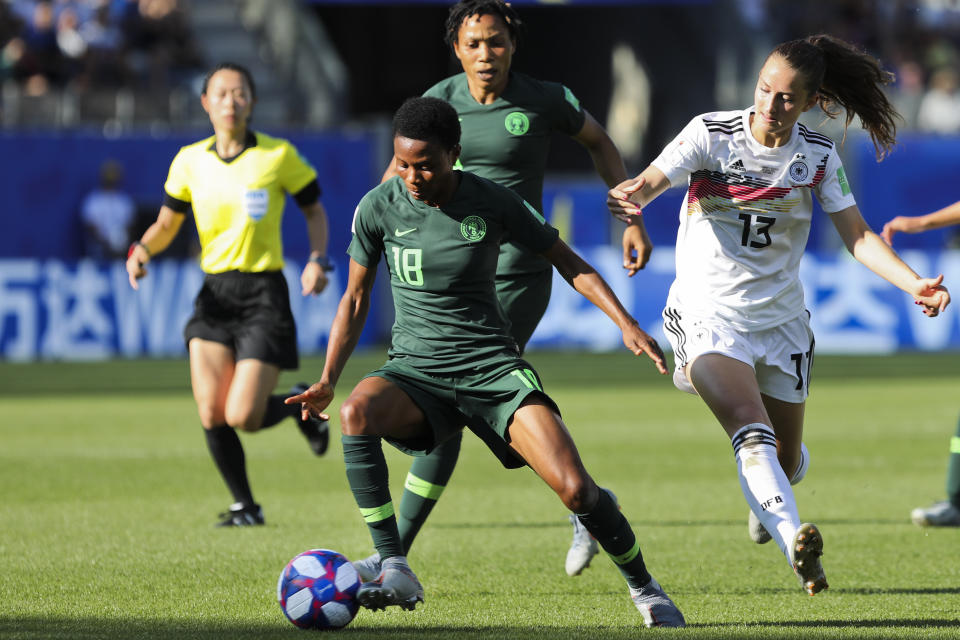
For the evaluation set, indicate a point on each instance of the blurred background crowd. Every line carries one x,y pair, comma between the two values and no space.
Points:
96,96
130,63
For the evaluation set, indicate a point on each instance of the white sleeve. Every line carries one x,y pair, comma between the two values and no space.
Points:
833,192
685,153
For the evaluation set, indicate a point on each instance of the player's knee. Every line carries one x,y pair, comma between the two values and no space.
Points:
578,493
243,418
211,415
354,417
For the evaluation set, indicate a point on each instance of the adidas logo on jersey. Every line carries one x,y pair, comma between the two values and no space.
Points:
736,167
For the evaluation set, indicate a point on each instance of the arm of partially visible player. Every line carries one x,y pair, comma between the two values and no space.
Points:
871,251
594,288
625,202
609,164
915,224
344,334
390,171
313,278
155,239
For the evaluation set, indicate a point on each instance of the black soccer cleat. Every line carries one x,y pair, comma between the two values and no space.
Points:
240,515
315,430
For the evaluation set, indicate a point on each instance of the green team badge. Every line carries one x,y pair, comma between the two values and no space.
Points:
517,123
473,228
842,179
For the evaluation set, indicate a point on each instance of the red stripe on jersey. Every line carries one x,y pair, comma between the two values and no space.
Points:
706,187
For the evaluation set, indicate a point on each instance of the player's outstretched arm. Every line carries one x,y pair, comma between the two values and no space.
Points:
594,288
625,202
155,239
945,217
875,254
344,334
609,165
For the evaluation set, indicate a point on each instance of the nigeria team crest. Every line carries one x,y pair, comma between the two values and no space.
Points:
517,123
473,228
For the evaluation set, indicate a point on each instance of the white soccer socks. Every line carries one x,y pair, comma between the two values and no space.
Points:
765,485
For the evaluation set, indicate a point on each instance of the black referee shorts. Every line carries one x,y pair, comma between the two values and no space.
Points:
248,312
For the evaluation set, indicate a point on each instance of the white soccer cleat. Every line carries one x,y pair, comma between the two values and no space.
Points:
656,607
396,585
758,533
805,551
582,549
369,568
940,514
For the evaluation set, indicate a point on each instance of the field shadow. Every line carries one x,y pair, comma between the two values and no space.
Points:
52,628
563,524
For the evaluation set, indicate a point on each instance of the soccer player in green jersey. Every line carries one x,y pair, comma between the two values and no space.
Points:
452,361
507,120
945,513
242,331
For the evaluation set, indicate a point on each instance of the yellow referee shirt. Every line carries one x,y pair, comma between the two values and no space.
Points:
238,203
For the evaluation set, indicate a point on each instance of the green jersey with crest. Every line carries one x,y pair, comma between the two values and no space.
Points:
442,263
508,140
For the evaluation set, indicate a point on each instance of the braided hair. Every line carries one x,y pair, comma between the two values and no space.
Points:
466,8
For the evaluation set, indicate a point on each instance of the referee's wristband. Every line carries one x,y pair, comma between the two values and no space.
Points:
136,244
323,261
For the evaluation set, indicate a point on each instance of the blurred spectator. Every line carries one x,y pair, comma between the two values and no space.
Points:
96,44
907,93
160,43
940,106
108,214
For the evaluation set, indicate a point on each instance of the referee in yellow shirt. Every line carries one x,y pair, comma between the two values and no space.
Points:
242,332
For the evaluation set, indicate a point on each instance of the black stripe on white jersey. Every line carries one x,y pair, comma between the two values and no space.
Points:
815,138
731,126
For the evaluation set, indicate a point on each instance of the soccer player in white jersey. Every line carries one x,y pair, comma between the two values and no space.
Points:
735,314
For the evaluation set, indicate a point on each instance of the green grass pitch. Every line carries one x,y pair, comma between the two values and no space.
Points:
109,496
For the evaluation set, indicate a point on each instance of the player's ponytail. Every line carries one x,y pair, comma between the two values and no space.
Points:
849,78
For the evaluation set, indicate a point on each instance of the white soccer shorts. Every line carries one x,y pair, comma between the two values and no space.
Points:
781,356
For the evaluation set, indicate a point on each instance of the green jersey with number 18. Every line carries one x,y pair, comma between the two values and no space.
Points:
442,263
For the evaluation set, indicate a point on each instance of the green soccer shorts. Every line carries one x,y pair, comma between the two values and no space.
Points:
485,401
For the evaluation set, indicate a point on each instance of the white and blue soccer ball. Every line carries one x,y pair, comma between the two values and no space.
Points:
318,590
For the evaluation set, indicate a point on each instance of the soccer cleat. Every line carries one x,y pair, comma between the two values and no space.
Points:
757,531
240,515
315,430
656,607
939,514
369,568
582,549
806,551
396,585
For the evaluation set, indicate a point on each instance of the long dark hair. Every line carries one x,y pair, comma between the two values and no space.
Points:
849,78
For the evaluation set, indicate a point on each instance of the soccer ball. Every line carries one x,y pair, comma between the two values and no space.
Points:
318,589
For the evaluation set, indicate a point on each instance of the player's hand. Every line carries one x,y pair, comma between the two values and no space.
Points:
618,199
639,342
932,296
135,270
313,401
636,247
903,224
313,279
